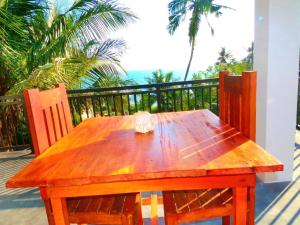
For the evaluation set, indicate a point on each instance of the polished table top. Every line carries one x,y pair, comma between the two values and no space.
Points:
183,144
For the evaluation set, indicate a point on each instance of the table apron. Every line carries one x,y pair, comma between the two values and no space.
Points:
165,184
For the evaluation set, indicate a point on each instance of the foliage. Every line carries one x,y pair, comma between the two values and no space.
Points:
209,96
199,9
159,76
113,80
249,58
225,57
213,71
40,45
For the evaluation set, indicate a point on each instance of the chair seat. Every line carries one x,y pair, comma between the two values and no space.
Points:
185,202
110,209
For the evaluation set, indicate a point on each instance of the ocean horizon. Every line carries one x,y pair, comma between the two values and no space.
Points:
140,75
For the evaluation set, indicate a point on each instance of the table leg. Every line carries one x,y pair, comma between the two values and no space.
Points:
240,205
60,212
251,206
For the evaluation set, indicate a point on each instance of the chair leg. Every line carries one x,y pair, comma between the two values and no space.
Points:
154,210
251,206
226,220
138,211
171,220
49,213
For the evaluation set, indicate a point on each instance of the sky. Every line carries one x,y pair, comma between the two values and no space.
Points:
150,47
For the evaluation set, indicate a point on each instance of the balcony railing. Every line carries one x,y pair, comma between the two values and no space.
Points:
113,101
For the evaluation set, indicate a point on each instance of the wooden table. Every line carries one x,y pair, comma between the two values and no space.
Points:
187,150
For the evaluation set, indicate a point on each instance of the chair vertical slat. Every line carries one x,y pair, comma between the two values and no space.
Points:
36,121
231,109
249,106
49,126
62,119
66,106
222,96
56,123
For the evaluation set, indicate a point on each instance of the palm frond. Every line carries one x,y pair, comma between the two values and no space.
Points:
87,20
177,13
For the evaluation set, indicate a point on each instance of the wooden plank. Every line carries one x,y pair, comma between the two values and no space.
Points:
107,204
95,204
83,204
154,185
72,205
117,207
204,214
180,201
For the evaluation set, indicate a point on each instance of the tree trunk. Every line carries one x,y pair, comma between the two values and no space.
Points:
190,60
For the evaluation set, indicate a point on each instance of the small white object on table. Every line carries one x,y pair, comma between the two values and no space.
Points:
143,122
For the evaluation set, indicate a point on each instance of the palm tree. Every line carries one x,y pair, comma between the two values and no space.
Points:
166,97
225,57
249,58
179,9
159,76
40,45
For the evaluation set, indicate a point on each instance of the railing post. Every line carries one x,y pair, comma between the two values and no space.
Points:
158,96
26,121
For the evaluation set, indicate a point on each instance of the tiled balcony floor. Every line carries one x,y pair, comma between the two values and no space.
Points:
276,204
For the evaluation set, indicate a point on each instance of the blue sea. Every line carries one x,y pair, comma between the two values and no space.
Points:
140,75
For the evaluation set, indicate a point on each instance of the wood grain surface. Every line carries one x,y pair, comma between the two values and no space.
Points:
183,144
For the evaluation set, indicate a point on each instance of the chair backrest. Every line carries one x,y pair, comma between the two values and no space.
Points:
48,115
237,101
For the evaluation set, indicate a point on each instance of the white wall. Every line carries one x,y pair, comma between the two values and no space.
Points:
276,59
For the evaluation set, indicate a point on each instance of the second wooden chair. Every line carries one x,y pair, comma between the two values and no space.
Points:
237,107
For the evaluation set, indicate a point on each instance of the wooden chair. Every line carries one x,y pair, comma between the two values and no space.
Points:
49,120
237,107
